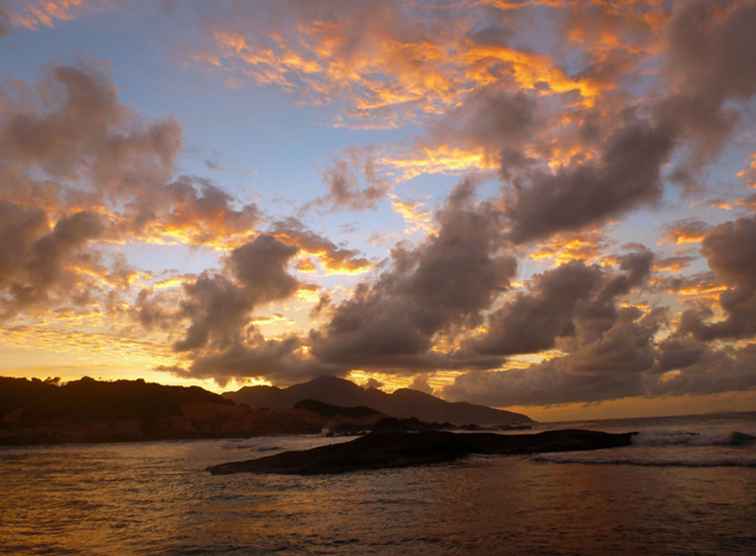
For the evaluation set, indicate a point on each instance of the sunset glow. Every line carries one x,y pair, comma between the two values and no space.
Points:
535,204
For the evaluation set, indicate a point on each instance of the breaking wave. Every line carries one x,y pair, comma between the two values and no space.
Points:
675,449
683,438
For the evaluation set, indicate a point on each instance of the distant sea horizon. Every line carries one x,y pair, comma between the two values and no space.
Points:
650,417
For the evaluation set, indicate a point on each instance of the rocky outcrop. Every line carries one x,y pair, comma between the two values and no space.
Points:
390,450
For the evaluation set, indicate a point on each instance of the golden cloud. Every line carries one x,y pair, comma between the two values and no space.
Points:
414,72
440,159
585,246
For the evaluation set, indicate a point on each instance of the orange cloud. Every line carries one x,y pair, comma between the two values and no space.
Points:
34,15
530,70
564,248
707,291
672,264
440,159
685,232
413,214
395,67
44,13
309,293
332,258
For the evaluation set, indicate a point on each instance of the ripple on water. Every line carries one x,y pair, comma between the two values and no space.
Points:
156,498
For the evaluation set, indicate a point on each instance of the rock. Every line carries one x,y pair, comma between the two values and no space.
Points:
387,450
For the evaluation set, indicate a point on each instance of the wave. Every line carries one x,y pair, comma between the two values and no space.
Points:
645,461
684,438
696,449
249,445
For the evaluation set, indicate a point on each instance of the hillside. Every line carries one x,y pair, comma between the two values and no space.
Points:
403,403
328,410
87,410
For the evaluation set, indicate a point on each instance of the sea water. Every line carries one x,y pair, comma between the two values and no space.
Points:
686,486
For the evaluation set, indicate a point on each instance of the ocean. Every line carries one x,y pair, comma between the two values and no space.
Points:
685,487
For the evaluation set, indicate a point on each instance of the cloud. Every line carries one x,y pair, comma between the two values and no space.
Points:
191,211
748,174
444,283
707,64
689,230
440,159
221,340
713,371
334,259
68,144
80,133
706,67
416,218
282,360
610,367
5,21
33,15
703,286
38,261
533,320
573,300
673,264
586,246
218,306
730,250
420,382
625,176
343,182
383,61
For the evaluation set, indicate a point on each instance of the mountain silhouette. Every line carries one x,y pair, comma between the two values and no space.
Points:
403,403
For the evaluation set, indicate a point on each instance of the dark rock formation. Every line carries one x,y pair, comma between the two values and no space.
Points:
402,404
386,450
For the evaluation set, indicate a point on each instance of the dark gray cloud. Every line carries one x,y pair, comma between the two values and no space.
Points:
154,310
494,118
715,371
82,127
610,367
279,360
678,352
67,143
219,306
217,310
708,62
573,299
444,283
36,260
533,320
708,65
730,250
626,175
5,25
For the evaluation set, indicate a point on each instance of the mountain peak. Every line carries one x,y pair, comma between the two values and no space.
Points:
328,379
403,403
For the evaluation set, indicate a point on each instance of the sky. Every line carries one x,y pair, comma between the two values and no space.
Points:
542,205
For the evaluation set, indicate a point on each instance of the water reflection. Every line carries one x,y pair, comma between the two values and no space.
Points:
156,498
